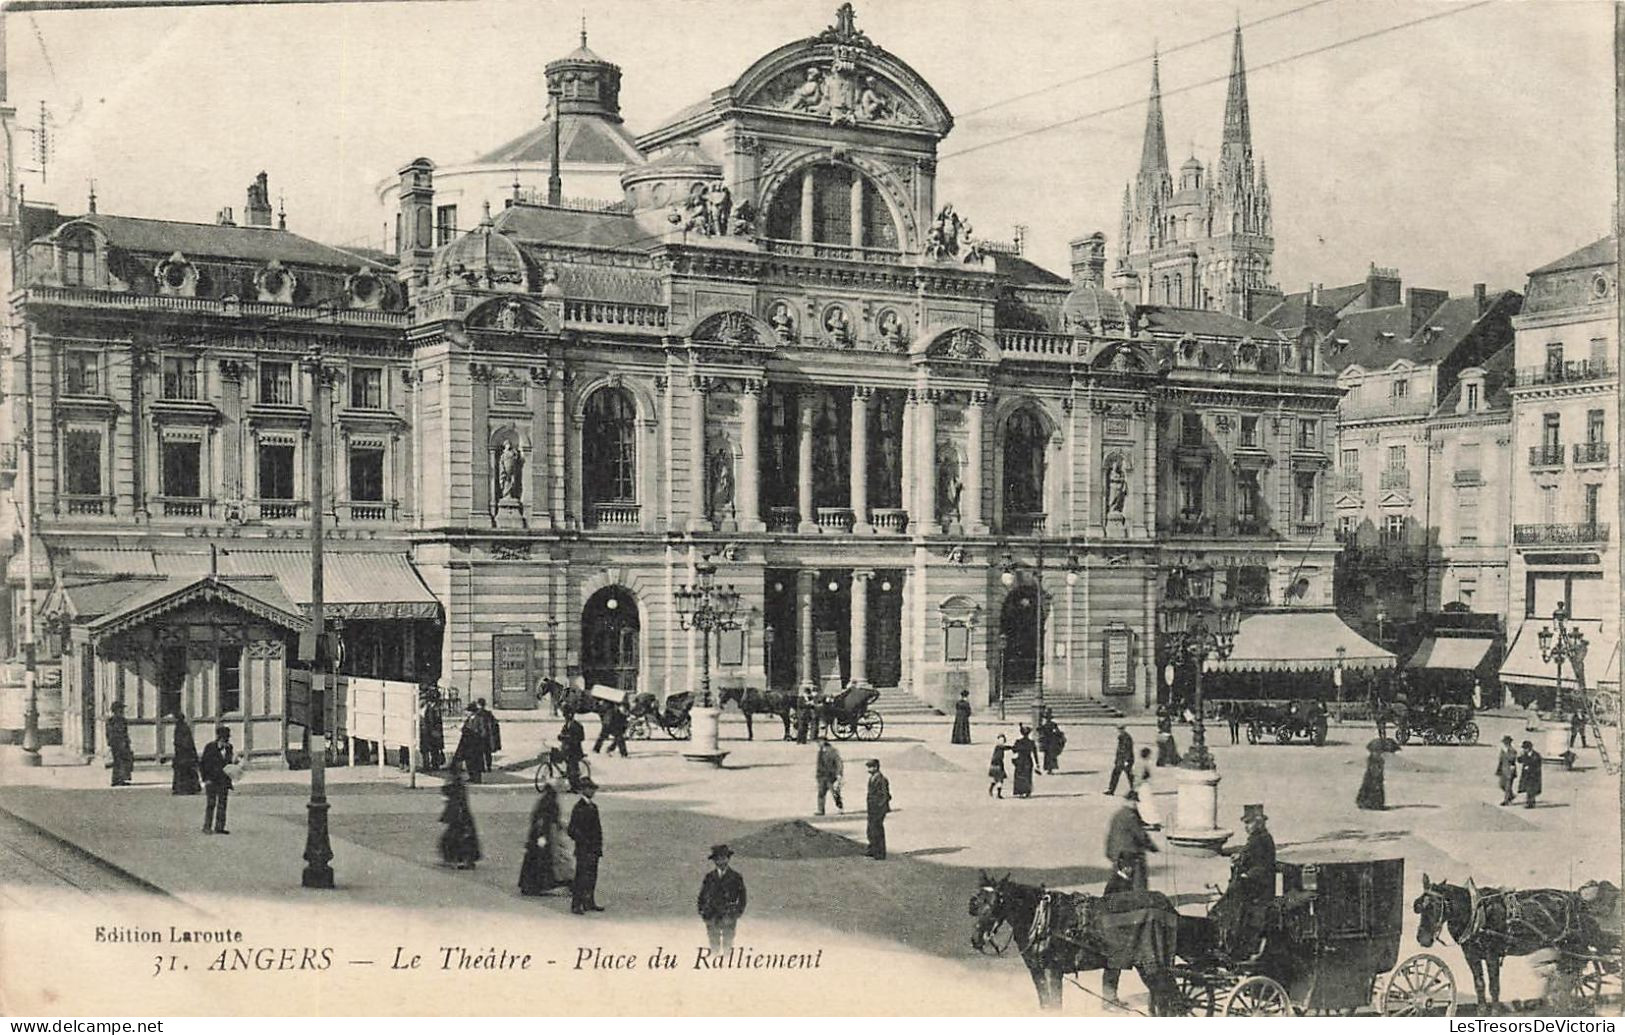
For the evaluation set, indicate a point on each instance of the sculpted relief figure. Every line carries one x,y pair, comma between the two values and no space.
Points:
809,96
1116,486
510,468
722,482
782,322
949,486
839,328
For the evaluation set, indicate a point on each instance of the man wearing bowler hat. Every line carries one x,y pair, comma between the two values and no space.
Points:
1506,769
587,831
722,899
879,804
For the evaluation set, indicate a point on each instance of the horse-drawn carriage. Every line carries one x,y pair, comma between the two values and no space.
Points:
1284,721
672,717
1441,724
848,716
1325,944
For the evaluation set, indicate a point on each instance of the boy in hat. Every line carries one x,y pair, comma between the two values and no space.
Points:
118,744
1506,769
216,782
879,803
587,831
722,899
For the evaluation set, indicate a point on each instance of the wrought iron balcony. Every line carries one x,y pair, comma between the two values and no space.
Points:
1348,482
783,519
613,515
1573,372
1567,533
1468,477
1546,456
1192,523
1396,478
1030,523
1591,453
1251,526
835,519
889,519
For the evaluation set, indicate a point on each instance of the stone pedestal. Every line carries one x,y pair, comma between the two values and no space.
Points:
510,514
1196,819
703,746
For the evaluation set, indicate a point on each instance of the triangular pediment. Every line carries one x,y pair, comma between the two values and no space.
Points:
1394,498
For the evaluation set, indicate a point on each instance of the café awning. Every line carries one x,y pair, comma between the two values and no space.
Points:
1300,641
1524,664
1460,654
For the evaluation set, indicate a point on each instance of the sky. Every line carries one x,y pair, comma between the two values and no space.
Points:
1468,148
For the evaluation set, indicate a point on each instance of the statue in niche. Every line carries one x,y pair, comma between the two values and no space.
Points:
1116,486
949,486
891,329
783,322
722,482
839,328
510,471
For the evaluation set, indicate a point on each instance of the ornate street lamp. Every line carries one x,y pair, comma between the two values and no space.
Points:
1202,630
1569,645
705,606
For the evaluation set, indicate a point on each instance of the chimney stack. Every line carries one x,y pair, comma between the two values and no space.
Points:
1422,302
414,219
1089,260
225,218
258,210
1480,298
1381,287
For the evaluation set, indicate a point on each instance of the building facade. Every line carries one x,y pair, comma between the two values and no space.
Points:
1565,480
925,463
1208,241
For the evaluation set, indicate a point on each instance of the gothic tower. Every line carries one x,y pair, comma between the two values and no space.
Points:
1208,243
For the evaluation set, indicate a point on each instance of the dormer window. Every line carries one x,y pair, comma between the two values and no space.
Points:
1473,401
79,260
1401,388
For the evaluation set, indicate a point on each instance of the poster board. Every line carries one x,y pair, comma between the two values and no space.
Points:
381,710
1117,667
828,652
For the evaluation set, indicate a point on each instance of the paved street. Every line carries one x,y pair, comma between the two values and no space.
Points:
662,812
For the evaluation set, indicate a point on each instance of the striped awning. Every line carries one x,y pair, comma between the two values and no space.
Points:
1300,641
1524,664
1462,654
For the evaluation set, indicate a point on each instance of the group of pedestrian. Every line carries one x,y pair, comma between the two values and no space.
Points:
480,739
1519,772
1028,757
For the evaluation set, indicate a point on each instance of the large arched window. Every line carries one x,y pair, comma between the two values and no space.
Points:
1025,439
609,448
831,204
79,259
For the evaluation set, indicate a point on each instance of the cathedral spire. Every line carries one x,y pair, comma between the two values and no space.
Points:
1238,126
1154,153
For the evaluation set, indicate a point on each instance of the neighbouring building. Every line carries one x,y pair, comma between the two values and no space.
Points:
1207,241
925,463
1565,478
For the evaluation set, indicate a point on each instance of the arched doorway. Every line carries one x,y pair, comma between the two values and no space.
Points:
1018,633
609,639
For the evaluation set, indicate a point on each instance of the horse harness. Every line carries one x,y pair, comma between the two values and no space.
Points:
1529,913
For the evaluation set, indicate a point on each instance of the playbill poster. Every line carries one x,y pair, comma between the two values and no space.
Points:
807,508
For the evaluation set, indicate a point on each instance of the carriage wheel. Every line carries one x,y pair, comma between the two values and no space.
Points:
869,726
1196,995
638,728
997,940
1422,986
842,730
681,730
1403,734
1259,996
1252,733
1283,733
1468,734
1605,709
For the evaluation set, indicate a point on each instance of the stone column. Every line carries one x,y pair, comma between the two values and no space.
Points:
804,458
698,519
858,650
908,495
750,408
807,205
859,475
804,626
971,500
925,461
857,212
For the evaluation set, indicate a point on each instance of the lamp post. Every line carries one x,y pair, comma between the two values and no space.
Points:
704,606
1008,577
1337,679
769,634
316,646
1568,644
998,673
1198,628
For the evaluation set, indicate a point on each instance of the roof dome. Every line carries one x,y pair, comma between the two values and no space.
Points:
1091,308
1192,164
585,84
481,258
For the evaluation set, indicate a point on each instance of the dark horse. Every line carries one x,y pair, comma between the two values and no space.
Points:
1490,924
754,701
1071,945
570,700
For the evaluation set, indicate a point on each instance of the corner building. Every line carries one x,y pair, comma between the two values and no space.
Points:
779,355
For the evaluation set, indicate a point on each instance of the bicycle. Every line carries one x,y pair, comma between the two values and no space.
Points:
554,766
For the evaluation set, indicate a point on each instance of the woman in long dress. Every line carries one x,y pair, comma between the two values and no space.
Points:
536,876
1373,795
184,764
1025,755
961,734
459,843
996,774
1143,772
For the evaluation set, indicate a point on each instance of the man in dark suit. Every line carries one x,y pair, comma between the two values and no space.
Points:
492,730
1123,761
722,899
1506,769
571,739
612,729
1252,882
118,745
472,747
588,833
879,803
1126,845
216,784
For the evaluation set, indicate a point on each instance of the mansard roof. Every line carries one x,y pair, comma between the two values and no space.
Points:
1023,272
1375,338
1164,320
1497,379
584,139
541,224
217,241
1598,253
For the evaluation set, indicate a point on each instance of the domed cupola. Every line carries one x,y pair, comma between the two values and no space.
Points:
585,83
483,258
670,178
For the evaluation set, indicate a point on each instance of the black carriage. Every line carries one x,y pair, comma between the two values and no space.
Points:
671,718
1328,943
1436,724
1285,721
849,717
